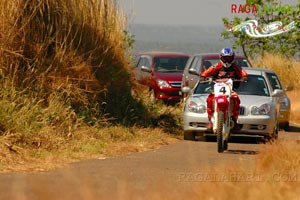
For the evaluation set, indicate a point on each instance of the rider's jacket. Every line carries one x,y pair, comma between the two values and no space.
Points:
219,71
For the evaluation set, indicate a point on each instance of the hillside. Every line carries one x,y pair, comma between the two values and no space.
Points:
65,84
189,39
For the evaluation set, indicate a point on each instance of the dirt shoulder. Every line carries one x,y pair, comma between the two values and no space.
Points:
114,141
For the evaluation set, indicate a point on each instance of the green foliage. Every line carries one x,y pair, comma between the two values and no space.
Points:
251,2
128,39
287,44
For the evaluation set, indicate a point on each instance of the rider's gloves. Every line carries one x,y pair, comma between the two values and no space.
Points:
210,79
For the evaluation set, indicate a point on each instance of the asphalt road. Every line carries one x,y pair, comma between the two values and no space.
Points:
165,173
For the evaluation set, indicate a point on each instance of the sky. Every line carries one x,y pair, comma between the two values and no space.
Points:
181,12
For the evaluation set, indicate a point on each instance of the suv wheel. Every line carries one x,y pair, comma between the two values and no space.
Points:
189,136
286,126
275,132
274,136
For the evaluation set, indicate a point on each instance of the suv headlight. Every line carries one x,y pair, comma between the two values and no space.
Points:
262,110
194,107
162,83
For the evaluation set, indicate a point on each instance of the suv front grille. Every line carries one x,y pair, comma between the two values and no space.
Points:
175,84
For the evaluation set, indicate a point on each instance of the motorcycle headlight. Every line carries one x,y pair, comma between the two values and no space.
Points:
262,110
194,107
162,83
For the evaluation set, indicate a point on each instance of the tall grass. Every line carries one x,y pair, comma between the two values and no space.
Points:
65,83
64,75
74,47
286,68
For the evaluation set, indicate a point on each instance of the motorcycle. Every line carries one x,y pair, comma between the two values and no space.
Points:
223,107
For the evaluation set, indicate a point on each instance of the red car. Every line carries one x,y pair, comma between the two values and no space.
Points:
200,62
162,73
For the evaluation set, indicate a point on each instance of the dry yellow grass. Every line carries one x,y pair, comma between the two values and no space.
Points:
65,84
83,143
295,105
75,48
287,69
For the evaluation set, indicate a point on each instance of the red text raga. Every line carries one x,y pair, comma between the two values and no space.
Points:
247,8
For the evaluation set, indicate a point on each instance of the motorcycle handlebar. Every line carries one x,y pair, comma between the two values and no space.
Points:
210,79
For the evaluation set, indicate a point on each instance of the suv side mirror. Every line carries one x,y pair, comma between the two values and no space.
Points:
278,93
193,71
186,89
146,69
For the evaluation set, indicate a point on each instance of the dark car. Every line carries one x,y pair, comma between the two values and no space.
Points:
200,62
162,73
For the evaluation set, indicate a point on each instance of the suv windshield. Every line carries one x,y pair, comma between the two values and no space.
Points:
169,64
274,80
256,85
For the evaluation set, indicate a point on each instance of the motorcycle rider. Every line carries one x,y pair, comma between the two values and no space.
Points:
226,68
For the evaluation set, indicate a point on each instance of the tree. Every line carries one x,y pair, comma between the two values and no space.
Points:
268,13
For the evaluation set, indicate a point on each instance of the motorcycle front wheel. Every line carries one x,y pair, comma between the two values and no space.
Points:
219,131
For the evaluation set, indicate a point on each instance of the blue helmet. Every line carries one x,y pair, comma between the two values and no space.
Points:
227,57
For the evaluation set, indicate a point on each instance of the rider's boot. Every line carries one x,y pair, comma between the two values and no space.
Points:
210,126
210,111
235,126
235,110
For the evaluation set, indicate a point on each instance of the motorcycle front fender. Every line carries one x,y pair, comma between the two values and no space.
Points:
222,104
